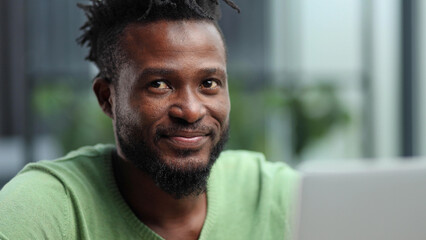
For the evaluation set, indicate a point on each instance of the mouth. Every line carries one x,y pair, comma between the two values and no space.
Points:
187,140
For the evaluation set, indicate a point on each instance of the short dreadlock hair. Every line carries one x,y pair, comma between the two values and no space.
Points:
106,20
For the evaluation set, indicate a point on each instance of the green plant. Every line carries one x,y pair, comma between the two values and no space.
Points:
72,117
314,111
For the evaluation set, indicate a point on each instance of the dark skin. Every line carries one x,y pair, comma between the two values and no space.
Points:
175,72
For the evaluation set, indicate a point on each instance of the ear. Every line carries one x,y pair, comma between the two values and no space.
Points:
105,93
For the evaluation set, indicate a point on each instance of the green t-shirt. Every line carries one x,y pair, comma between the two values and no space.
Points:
76,197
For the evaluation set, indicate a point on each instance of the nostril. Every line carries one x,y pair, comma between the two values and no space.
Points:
184,123
175,111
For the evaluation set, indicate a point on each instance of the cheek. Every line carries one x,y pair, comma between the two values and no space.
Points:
150,110
220,110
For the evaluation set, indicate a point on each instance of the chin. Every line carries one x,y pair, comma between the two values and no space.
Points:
186,159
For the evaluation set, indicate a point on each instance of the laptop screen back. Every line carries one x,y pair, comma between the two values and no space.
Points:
370,204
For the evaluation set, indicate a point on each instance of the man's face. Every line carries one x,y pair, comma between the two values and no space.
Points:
171,102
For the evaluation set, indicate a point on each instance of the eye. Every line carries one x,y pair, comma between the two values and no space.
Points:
209,84
159,84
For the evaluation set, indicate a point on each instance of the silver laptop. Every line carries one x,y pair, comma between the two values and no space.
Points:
363,203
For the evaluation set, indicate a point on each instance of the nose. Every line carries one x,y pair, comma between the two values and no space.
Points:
188,107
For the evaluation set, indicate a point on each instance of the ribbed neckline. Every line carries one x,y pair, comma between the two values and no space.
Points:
144,231
212,204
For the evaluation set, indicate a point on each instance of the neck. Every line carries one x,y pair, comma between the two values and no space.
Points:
154,207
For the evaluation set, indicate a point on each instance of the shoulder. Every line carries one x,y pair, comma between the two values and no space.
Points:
254,192
38,201
249,174
243,164
31,203
79,167
82,158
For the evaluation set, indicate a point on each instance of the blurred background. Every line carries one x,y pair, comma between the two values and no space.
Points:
311,81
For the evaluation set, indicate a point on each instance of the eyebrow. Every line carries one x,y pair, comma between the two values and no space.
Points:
156,71
167,71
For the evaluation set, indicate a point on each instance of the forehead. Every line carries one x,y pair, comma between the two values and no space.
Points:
163,39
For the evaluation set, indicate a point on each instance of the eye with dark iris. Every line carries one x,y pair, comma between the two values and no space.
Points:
159,84
209,84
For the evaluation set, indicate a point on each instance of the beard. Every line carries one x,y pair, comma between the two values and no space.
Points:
188,178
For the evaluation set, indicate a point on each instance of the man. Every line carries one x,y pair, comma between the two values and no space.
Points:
163,82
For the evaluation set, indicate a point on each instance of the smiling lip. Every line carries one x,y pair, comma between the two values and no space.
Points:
187,140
